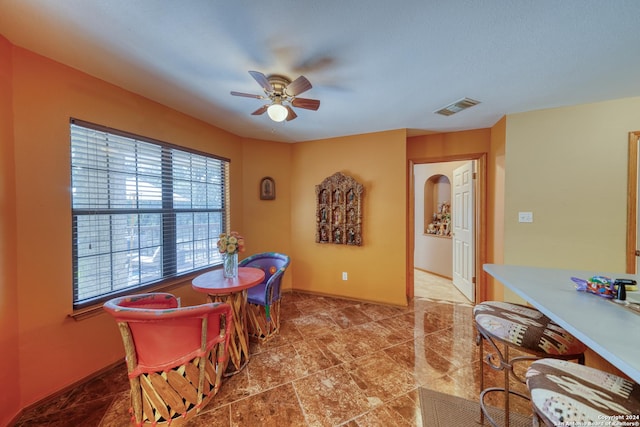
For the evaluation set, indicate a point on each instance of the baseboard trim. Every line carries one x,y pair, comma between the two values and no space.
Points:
322,294
435,274
64,390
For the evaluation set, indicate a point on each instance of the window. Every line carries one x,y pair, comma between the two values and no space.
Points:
143,211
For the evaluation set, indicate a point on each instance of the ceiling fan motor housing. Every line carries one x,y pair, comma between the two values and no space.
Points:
278,83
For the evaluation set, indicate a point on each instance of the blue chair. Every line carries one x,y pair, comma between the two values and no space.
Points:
263,308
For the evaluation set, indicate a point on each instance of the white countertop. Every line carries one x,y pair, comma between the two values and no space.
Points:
604,326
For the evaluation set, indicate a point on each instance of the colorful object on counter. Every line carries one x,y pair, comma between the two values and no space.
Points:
605,286
599,285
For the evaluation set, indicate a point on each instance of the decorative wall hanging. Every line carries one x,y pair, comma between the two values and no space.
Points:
267,188
339,210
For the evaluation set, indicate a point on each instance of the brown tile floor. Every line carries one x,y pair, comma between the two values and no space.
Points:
335,363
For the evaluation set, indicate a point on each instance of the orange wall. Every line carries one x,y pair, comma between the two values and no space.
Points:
267,223
376,270
9,342
53,346
442,145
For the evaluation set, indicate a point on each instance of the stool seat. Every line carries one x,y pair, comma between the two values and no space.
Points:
565,393
526,328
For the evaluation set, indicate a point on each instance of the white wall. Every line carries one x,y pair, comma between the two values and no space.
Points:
433,254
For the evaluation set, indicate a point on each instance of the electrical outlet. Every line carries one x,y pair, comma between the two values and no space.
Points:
345,276
525,216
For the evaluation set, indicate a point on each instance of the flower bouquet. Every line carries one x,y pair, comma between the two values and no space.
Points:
229,246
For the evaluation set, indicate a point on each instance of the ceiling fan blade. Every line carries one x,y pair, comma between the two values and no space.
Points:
292,114
247,95
306,103
260,110
262,80
299,85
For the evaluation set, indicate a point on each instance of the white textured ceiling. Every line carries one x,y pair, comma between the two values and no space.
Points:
375,65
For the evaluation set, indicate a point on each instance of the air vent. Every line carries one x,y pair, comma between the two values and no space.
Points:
457,106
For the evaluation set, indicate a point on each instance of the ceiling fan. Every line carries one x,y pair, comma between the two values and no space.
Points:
283,94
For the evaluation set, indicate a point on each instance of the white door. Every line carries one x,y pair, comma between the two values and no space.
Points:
462,218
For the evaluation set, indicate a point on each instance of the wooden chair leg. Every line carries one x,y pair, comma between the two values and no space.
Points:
175,396
259,326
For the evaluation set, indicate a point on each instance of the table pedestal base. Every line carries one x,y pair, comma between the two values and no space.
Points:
239,340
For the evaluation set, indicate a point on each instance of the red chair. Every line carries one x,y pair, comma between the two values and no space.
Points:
175,355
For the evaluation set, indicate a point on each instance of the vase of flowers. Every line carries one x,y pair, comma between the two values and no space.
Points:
229,246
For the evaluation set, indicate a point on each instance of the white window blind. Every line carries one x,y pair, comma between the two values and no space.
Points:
143,211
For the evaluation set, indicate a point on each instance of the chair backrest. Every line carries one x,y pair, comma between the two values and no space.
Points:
165,335
274,265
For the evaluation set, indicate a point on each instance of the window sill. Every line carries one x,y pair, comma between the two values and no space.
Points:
94,310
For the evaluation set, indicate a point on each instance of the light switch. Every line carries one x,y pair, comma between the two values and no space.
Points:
525,216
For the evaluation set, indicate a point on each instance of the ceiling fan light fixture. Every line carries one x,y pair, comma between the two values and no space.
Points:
277,112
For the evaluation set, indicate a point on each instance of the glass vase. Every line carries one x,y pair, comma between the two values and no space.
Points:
230,265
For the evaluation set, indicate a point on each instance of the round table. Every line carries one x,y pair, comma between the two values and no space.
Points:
233,292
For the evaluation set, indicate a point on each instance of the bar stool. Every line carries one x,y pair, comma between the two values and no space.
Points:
523,328
565,393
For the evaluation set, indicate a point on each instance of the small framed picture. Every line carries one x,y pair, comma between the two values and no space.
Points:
267,188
